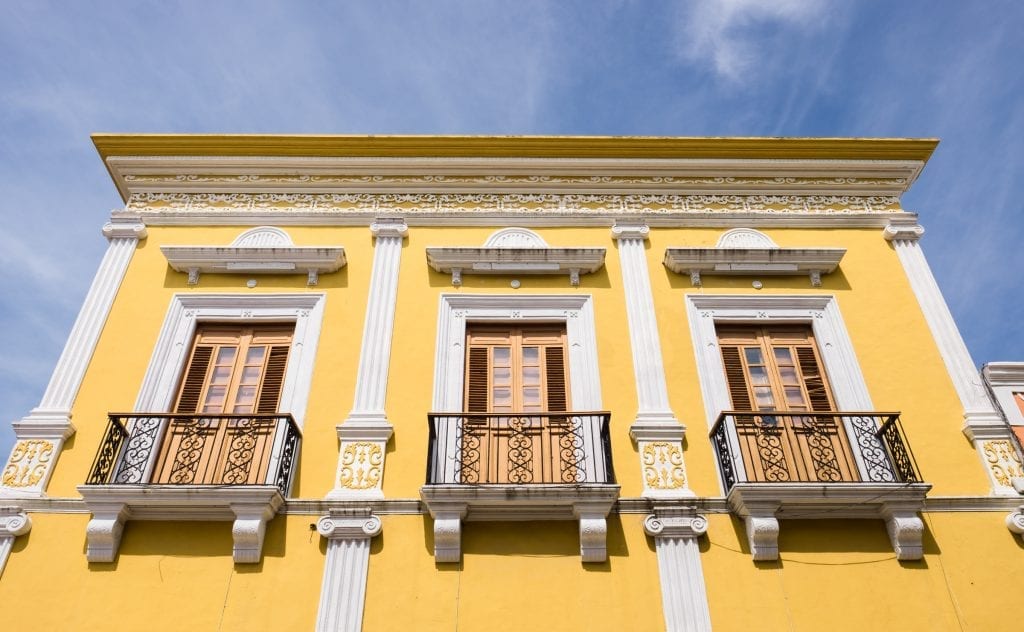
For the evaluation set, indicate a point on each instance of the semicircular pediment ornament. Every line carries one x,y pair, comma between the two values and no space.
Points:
515,238
745,238
263,237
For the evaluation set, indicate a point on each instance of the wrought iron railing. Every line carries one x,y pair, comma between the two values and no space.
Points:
174,449
846,447
519,448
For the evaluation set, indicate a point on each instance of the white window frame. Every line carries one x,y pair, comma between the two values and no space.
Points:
187,311
575,311
821,312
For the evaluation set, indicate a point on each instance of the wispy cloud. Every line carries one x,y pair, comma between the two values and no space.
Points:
735,39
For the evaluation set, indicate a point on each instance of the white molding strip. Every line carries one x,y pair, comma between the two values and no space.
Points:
982,422
13,522
683,593
654,419
42,433
343,591
365,433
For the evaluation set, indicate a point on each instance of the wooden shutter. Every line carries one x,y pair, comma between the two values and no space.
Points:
814,380
273,379
195,379
554,361
477,370
736,378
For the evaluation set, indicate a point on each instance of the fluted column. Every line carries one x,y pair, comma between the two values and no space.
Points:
683,594
656,430
343,592
13,522
983,425
365,433
41,435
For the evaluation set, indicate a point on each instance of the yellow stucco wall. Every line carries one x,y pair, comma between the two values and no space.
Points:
525,575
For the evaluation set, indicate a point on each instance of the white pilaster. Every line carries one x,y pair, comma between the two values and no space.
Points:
656,429
982,423
343,591
13,522
41,435
365,433
683,594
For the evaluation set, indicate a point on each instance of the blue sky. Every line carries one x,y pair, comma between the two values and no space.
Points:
946,69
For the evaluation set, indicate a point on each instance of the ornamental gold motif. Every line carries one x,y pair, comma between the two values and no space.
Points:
1003,461
28,463
663,465
361,464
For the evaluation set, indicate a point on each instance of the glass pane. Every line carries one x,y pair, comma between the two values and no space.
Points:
242,409
754,355
226,355
531,396
758,375
531,375
255,355
214,397
783,355
502,356
246,395
531,355
788,375
763,396
794,396
501,376
221,375
251,374
502,396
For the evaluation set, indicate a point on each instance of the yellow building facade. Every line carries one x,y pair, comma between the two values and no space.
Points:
513,383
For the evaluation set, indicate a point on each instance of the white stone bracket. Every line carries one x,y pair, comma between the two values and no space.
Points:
343,591
1015,522
13,522
249,508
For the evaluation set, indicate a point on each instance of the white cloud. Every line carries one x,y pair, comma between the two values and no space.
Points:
727,35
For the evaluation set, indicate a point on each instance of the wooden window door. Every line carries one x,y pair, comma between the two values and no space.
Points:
516,371
233,371
778,369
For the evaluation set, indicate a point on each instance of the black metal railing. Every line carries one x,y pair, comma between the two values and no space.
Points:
519,448
817,447
174,449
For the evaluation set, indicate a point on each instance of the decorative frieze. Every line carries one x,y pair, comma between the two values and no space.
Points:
375,204
362,463
1003,462
662,465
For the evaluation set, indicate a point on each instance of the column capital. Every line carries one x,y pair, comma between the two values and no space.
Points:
903,229
389,227
675,522
630,230
124,225
350,524
14,521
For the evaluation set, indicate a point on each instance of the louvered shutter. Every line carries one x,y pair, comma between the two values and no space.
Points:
273,380
476,380
814,381
736,378
195,379
554,360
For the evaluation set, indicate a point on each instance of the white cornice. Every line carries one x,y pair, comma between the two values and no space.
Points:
754,261
139,174
1004,373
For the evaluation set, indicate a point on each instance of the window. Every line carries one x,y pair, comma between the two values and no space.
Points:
516,369
232,372
778,368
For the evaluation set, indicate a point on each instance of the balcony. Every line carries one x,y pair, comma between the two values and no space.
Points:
164,466
518,467
819,465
